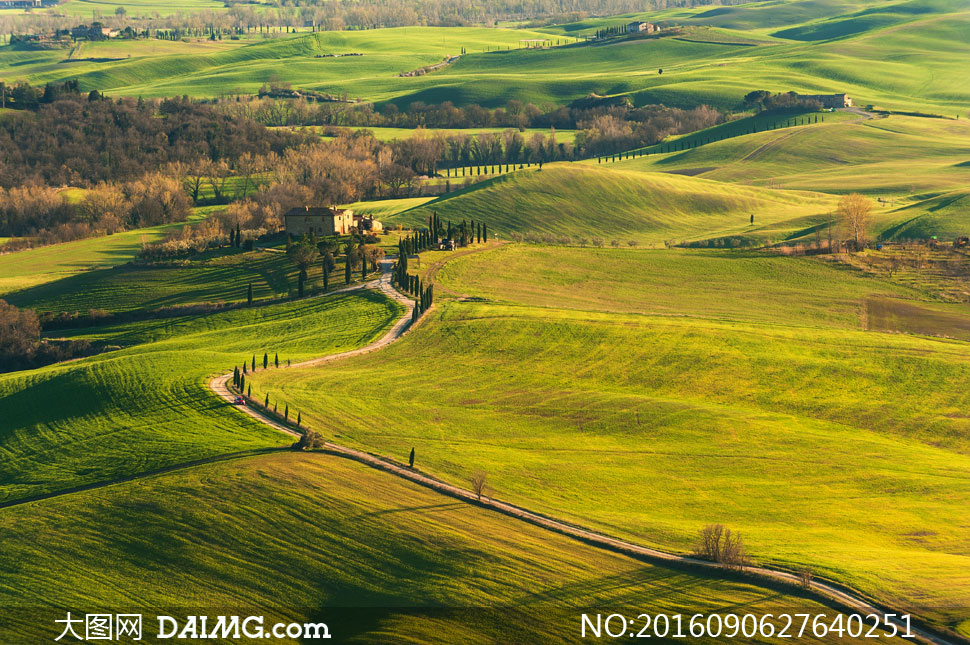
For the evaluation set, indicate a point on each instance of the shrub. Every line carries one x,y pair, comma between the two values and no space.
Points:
310,441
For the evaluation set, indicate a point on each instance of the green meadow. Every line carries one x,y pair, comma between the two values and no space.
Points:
619,400
153,68
136,8
210,277
146,405
773,46
322,534
563,199
396,134
895,156
25,269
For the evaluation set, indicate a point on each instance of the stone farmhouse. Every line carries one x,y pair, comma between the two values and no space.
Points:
319,221
637,27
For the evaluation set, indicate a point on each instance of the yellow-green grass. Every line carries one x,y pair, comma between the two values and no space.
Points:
707,284
583,201
155,71
393,134
387,208
897,156
946,216
310,537
136,8
148,406
721,74
25,269
829,447
924,45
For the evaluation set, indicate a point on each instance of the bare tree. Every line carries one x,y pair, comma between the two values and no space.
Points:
854,214
895,264
805,578
479,482
721,545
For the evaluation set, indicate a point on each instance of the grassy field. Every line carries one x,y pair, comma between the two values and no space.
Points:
25,269
756,401
394,134
896,156
152,68
317,534
578,200
147,405
802,46
214,277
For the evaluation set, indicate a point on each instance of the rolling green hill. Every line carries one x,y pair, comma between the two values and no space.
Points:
807,46
25,269
741,391
207,278
147,405
946,216
589,202
310,537
897,155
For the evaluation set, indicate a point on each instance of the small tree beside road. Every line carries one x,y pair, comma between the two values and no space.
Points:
721,545
479,482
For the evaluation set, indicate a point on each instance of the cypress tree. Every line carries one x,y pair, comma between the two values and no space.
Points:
254,362
235,377
266,403
347,269
249,391
286,412
238,237
299,418
411,459
232,237
244,368
485,232
242,382
249,295
276,359
265,360
414,314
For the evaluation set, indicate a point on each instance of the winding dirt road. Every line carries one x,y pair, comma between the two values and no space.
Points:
831,592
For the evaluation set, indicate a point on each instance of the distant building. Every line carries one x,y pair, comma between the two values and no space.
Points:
370,224
19,4
829,100
319,221
638,27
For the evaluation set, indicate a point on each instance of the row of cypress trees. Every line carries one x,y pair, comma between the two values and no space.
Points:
425,298
688,143
239,383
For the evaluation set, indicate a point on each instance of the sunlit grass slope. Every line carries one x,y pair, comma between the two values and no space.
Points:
299,537
24,269
809,46
148,406
583,201
752,403
718,285
897,156
204,279
146,68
